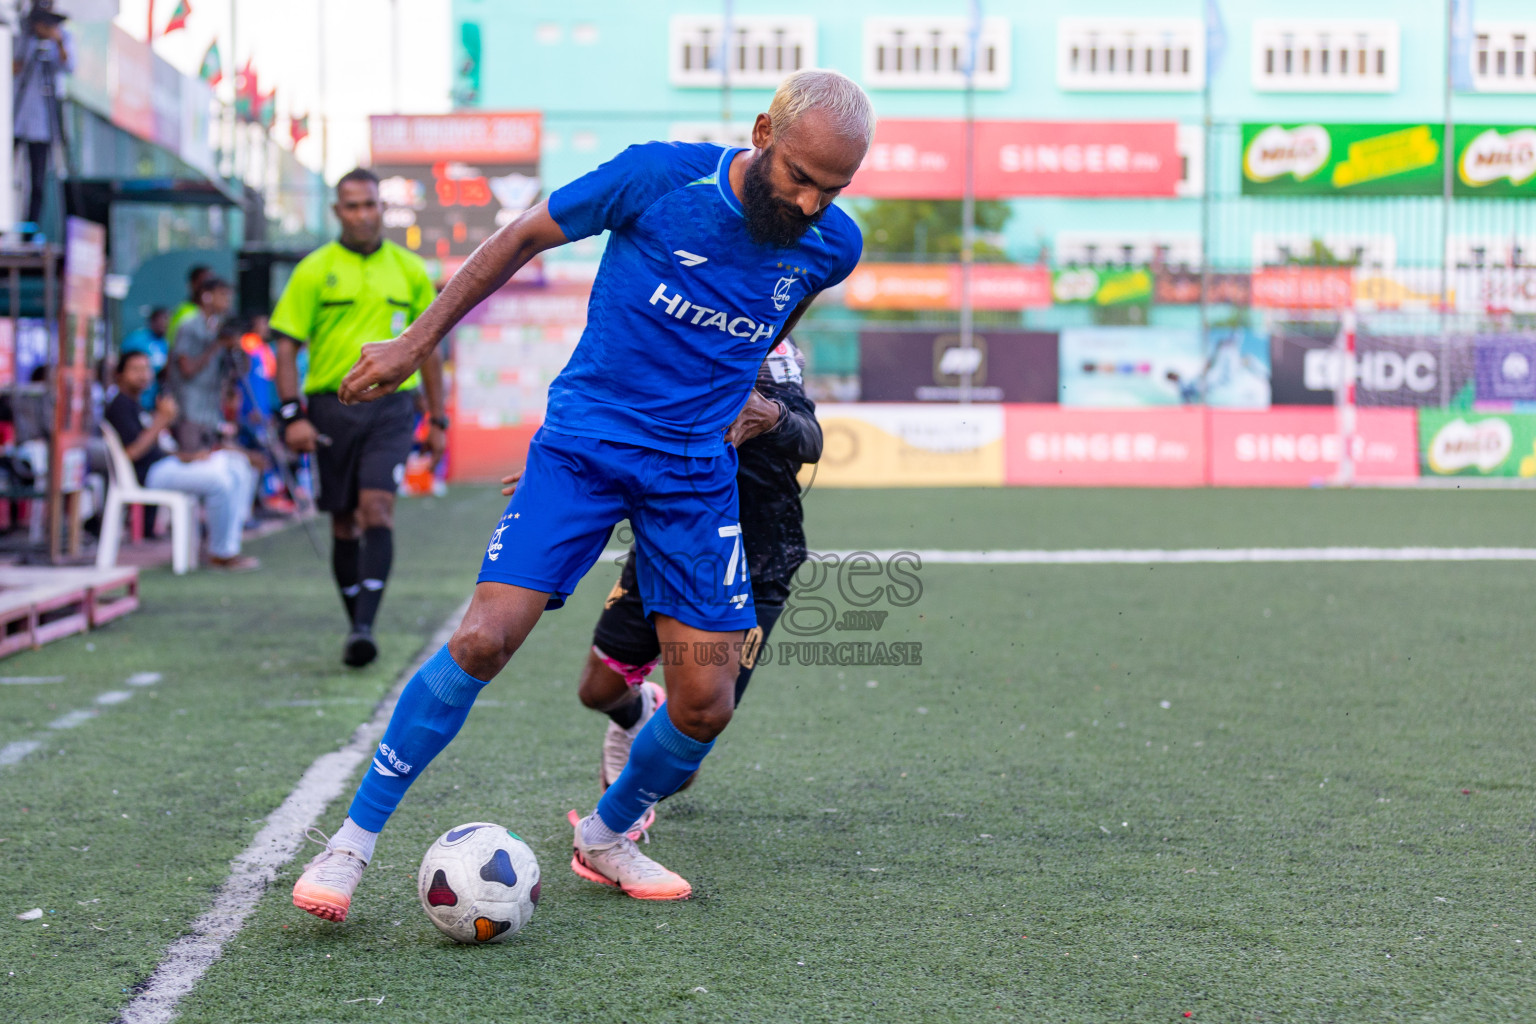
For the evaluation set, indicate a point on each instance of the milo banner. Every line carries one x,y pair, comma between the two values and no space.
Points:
1456,443
1386,160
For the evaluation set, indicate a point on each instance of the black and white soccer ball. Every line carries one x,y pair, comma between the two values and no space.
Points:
479,883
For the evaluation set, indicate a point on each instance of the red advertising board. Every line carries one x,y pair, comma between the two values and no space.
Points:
925,159
1003,286
1049,446
1304,288
1291,446
500,138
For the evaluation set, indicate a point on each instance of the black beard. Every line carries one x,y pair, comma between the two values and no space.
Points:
770,220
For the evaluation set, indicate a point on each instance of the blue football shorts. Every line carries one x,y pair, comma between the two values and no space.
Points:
574,490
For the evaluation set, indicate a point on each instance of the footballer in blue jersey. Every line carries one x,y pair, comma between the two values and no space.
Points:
713,253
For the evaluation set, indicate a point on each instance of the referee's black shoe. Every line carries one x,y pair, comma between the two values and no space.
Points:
360,649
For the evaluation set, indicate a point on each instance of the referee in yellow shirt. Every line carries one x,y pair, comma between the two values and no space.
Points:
359,289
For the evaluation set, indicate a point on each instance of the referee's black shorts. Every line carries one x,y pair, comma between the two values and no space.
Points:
367,449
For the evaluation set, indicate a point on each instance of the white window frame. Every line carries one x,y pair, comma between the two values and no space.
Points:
1179,249
1325,55
1091,54
1378,251
939,62
1478,252
1499,65
755,48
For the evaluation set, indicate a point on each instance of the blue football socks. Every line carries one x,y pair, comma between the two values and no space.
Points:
660,760
429,714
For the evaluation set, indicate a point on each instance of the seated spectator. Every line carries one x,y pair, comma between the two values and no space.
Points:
224,478
204,360
150,339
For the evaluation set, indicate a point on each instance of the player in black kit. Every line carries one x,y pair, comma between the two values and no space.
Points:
775,436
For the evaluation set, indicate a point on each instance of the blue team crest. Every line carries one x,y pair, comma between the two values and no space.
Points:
781,292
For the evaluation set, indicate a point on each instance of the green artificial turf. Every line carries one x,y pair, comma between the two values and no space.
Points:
1110,793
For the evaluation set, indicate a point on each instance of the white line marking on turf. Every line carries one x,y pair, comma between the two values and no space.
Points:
29,680
252,870
1188,556
1180,556
13,752
1219,556
70,719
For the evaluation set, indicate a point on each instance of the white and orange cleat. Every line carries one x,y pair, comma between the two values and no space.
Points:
621,865
326,886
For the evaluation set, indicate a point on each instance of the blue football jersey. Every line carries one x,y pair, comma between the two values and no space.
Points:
686,305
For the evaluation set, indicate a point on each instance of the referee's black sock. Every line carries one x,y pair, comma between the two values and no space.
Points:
344,559
373,567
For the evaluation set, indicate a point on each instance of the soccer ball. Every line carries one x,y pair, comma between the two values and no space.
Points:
478,883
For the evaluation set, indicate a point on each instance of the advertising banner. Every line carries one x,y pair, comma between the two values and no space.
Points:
877,445
1130,367
1236,374
1388,370
1089,286
1494,289
1506,368
1000,286
1005,366
1288,447
1304,287
1048,446
448,181
132,76
1494,161
1387,159
1456,443
1182,288
925,159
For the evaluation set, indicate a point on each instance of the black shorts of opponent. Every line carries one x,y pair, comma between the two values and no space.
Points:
368,445
625,634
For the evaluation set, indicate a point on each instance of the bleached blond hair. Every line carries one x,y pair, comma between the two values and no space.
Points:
848,110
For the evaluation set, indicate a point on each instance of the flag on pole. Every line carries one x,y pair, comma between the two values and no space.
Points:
298,129
247,93
1460,45
212,69
266,109
1215,38
179,17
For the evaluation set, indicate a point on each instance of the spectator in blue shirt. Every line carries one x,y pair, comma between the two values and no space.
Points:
150,340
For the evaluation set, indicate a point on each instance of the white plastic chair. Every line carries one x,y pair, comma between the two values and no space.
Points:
126,490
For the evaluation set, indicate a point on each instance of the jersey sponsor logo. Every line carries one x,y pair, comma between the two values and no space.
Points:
781,292
689,259
736,325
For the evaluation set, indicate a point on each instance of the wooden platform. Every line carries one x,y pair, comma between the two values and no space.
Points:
40,604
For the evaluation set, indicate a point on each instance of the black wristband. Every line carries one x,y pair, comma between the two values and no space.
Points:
290,412
440,422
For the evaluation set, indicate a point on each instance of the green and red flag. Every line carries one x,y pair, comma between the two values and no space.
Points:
212,70
179,17
298,129
266,109
247,93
